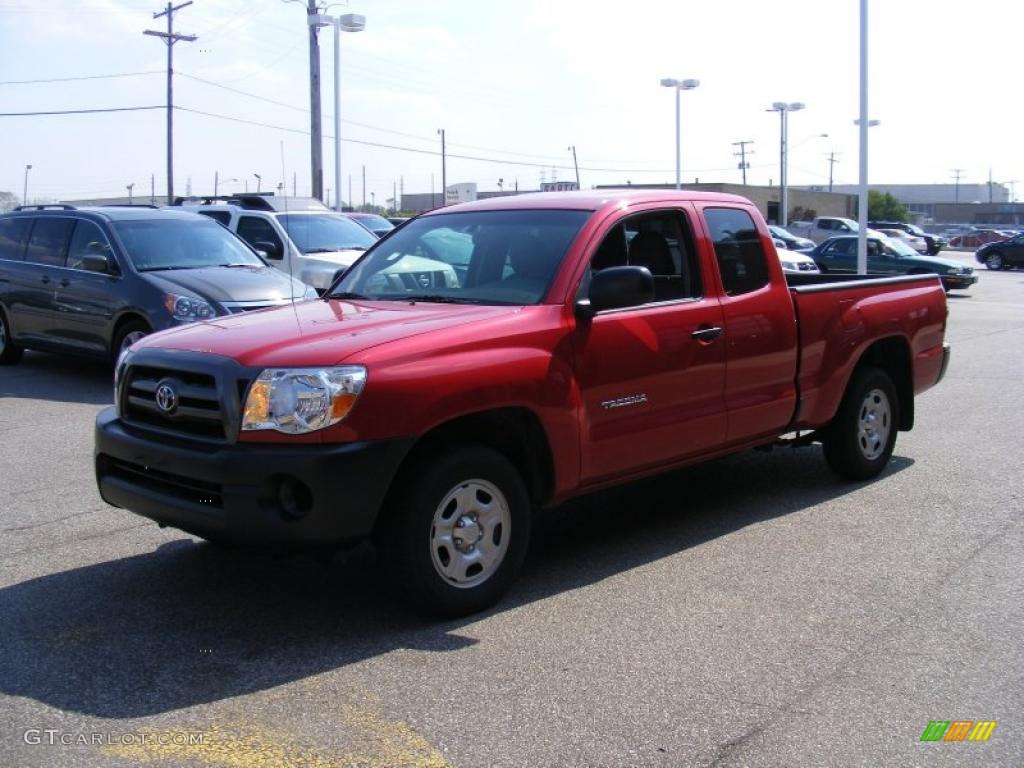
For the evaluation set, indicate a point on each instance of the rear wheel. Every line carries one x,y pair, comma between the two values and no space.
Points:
10,353
994,260
454,536
860,440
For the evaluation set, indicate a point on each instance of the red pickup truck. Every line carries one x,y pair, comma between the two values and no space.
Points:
494,358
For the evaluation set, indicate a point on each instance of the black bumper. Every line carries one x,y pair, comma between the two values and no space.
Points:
300,495
958,281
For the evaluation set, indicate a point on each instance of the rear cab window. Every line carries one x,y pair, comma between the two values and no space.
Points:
742,262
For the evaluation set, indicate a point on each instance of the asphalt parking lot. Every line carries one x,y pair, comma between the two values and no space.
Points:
752,611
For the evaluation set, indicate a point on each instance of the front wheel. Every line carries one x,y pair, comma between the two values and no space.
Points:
860,440
455,533
994,260
127,334
10,353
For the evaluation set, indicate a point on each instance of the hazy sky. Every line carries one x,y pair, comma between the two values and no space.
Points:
514,83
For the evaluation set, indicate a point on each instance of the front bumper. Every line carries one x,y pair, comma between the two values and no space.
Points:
300,495
958,281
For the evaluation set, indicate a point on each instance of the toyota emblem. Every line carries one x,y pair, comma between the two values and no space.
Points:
166,398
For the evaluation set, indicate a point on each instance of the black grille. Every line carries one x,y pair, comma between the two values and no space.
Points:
196,412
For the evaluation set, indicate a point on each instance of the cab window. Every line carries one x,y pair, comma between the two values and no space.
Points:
13,233
49,240
87,240
741,258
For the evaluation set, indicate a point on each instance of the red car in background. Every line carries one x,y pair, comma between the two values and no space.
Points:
977,238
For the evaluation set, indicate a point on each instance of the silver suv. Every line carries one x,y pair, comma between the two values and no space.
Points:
299,235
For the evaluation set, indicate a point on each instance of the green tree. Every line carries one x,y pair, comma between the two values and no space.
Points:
884,207
7,201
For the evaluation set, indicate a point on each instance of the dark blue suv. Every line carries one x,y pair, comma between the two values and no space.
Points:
94,280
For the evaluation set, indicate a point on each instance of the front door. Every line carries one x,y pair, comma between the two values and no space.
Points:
84,316
651,391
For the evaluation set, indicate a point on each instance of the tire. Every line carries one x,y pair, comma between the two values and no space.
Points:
10,353
454,534
994,260
860,440
127,335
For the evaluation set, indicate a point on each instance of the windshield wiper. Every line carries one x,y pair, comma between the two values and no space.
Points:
346,295
336,248
239,265
436,297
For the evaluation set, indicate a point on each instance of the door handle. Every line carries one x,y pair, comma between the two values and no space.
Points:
46,279
707,333
65,283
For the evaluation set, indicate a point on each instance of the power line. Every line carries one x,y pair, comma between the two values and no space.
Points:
84,77
78,111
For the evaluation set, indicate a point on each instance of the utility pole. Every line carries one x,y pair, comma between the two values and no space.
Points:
990,185
350,190
170,38
742,154
295,184
575,165
216,182
401,193
957,173
394,195
152,189
444,171
831,166
130,187
315,129
364,186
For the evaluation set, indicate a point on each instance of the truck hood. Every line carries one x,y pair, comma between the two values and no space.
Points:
318,332
343,258
221,284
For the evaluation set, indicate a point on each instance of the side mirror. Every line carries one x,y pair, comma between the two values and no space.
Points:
617,287
268,249
97,262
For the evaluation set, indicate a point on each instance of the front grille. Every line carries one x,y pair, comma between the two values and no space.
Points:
184,488
194,412
234,307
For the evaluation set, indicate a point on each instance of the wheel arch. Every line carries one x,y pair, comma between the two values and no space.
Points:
892,355
126,317
515,432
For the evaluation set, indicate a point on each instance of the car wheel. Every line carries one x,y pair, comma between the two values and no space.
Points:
10,353
861,437
994,260
454,535
127,335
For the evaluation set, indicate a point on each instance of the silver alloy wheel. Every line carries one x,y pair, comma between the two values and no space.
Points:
874,424
994,261
470,533
130,339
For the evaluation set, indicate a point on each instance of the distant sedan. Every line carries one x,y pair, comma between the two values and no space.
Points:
915,242
976,238
791,241
889,256
1004,254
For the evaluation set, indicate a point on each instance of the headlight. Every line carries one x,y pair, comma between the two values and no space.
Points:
298,400
790,266
188,309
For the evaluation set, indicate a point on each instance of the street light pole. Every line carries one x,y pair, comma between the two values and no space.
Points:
679,85
784,108
24,190
575,165
129,188
862,191
444,170
259,181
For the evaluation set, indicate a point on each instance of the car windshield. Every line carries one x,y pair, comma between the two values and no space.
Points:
478,257
375,223
900,247
323,232
915,230
154,244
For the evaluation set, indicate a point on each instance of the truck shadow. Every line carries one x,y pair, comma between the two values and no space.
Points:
191,624
59,378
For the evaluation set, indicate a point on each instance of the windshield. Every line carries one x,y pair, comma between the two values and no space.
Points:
375,223
323,232
915,230
153,244
479,257
900,247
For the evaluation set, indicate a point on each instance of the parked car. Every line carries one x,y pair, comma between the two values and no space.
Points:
976,238
823,227
398,220
1004,254
300,236
915,242
96,280
571,357
789,240
796,262
887,256
934,242
376,224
